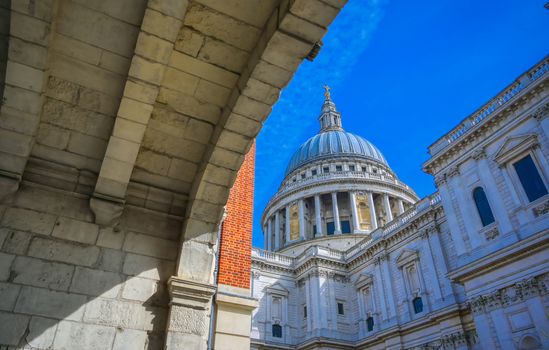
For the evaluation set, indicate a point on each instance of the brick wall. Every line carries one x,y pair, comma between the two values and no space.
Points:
236,235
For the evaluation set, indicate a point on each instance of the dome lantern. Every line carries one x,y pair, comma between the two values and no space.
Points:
330,118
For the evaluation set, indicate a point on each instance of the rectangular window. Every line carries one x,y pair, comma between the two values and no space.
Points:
345,226
326,169
340,310
302,176
330,228
339,168
351,168
313,172
305,311
530,178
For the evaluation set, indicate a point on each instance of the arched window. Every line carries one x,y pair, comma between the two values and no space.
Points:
529,343
483,207
418,305
370,323
277,331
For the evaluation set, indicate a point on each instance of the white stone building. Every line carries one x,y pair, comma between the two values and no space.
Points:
354,260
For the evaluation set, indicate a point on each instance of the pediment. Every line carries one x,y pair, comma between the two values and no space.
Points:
277,288
364,280
513,146
406,257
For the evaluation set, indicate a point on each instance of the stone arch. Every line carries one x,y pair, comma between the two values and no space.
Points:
529,342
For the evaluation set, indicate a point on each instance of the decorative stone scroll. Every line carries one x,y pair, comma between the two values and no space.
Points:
541,209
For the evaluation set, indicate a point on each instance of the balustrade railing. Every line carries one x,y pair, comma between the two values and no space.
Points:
495,104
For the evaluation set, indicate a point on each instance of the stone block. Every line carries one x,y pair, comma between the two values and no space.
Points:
42,10
32,55
63,251
123,150
261,91
134,110
116,170
244,125
5,264
223,55
96,282
124,314
301,28
130,339
52,136
108,32
251,108
286,51
156,23
140,289
219,175
140,91
39,273
190,106
180,81
173,8
271,74
222,27
29,28
314,11
188,320
48,303
193,341
212,193
189,41
233,141
129,130
153,162
71,335
22,100
97,101
15,143
88,146
227,159
173,146
76,230
153,224
16,242
202,69
147,267
24,76
153,48
18,121
182,169
196,261
151,246
151,72
114,63
41,332
255,15
130,11
212,93
76,49
109,238
12,328
9,293
29,220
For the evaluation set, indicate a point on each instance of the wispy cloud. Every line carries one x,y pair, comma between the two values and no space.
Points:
293,117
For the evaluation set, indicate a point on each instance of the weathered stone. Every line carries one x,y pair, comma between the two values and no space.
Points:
180,81
116,170
260,91
212,93
251,108
188,320
16,242
202,69
129,130
53,203
41,332
219,175
12,328
29,28
139,289
141,91
271,74
130,11
123,150
150,72
223,55
107,212
315,11
88,146
173,146
111,260
151,246
64,251
76,49
255,15
22,100
39,273
18,121
147,267
71,335
96,282
53,136
129,339
24,76
156,23
134,110
76,230
124,314
227,159
302,28
153,48
114,63
171,8
222,27
110,238
199,255
182,169
15,143
43,302
9,293
189,41
30,54
233,141
153,162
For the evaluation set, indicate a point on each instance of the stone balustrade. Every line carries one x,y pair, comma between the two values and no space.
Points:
511,93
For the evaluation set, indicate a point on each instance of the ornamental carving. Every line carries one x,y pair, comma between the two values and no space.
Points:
491,233
518,292
541,112
454,171
541,209
440,180
478,154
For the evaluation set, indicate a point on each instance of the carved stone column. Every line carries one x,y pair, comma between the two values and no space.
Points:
302,229
354,212
318,218
400,204
453,225
387,206
269,234
277,231
287,228
372,210
337,222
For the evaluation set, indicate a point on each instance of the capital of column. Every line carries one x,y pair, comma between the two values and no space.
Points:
478,154
190,293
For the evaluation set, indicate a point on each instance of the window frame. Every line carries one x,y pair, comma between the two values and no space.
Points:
479,215
518,182
340,308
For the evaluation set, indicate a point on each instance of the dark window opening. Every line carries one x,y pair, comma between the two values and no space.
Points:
330,228
326,169
351,168
418,305
370,323
483,207
339,168
340,310
313,172
302,176
345,226
304,311
277,331
530,178
314,230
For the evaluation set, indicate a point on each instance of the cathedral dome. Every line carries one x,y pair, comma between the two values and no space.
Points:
334,144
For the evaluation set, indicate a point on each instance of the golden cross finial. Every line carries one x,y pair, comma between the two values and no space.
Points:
327,92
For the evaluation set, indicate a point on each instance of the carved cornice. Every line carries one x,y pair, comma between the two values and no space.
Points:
478,154
190,293
541,112
518,292
541,209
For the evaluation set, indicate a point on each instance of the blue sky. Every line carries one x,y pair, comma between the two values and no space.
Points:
402,74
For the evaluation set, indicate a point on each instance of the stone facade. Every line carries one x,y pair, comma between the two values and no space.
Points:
123,125
464,268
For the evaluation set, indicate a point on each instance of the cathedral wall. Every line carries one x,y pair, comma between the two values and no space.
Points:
69,283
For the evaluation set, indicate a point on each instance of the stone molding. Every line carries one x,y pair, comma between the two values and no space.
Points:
541,209
236,301
189,293
106,211
504,297
9,184
490,232
541,112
